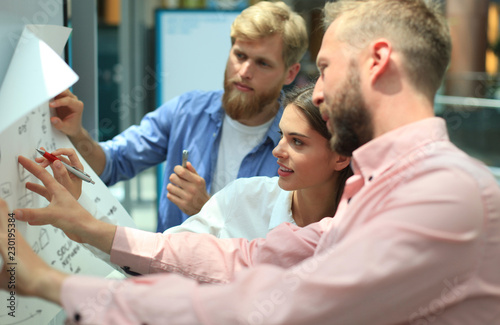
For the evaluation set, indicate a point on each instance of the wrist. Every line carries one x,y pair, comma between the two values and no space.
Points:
99,234
81,138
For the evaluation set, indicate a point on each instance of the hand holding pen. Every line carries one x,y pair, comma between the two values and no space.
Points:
74,170
70,181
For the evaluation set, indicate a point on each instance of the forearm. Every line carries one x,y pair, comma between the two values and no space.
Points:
98,233
204,257
90,150
50,286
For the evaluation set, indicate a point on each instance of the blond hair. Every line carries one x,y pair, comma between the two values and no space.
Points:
269,18
415,28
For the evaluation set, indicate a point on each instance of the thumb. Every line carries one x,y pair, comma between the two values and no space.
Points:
35,217
190,167
60,173
56,122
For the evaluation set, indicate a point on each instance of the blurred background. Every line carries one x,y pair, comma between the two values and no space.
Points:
126,50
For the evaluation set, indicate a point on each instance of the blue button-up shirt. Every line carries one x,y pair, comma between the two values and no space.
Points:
192,121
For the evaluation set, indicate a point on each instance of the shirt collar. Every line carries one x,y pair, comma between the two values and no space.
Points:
282,210
378,155
272,133
216,112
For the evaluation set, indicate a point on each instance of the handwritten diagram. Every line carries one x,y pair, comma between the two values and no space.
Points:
48,242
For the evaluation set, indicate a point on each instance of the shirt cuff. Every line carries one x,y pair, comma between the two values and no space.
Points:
80,297
106,173
151,299
132,249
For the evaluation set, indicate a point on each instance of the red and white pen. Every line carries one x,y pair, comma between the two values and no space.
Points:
75,171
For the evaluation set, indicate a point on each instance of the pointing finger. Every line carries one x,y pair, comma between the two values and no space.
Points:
39,172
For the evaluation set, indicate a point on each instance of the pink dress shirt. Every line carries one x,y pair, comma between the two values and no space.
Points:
416,240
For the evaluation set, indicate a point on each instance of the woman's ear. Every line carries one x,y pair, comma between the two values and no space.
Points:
342,162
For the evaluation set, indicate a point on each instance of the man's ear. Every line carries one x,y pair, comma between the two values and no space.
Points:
380,55
342,162
291,73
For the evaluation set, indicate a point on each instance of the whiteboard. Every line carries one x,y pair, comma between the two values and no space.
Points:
192,50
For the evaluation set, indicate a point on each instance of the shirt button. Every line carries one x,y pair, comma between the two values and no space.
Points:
370,178
349,200
77,317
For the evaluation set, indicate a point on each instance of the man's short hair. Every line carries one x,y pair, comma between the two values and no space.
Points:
269,18
415,28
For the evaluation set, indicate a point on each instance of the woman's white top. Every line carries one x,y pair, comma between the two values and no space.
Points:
246,208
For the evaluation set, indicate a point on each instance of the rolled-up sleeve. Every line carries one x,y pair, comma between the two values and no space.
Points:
140,146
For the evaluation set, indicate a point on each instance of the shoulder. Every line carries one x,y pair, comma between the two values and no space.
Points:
446,158
450,181
195,101
190,106
201,98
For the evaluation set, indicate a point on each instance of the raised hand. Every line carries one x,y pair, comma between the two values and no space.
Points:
72,183
187,189
64,212
69,110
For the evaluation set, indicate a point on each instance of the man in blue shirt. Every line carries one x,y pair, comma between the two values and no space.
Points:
229,134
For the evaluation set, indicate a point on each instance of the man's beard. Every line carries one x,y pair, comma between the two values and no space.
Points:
348,116
242,106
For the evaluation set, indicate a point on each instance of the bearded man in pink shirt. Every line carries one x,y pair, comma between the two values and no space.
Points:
416,238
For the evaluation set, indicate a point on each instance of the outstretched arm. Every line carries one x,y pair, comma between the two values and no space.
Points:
145,252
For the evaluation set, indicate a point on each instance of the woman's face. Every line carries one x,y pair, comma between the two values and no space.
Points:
304,156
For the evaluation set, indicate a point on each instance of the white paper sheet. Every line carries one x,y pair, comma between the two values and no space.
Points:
36,74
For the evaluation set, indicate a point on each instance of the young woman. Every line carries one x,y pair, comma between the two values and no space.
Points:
309,187
310,183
